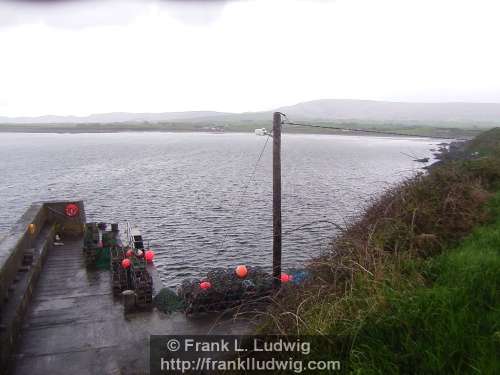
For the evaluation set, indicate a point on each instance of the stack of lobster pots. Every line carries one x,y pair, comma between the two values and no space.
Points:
103,249
224,288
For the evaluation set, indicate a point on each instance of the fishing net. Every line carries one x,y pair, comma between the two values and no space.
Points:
102,258
109,239
263,280
226,289
168,301
98,254
299,276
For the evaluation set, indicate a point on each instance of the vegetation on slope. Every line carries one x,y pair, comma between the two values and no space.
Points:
407,288
486,143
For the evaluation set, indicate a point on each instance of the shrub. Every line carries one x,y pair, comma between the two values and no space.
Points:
389,294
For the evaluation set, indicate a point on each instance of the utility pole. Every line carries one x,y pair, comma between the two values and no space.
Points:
276,200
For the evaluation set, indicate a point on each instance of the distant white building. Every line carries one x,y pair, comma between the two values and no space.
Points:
262,131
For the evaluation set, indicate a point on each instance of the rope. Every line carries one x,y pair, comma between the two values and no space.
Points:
238,206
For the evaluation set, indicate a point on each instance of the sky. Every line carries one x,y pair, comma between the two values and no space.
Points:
83,57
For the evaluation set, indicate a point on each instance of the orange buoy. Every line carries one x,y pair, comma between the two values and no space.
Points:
126,263
205,285
284,278
149,255
241,271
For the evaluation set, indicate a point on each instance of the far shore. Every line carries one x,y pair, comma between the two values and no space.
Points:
417,130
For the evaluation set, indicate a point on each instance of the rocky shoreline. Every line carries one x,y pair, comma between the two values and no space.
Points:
455,150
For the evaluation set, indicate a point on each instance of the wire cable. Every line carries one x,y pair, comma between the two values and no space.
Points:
367,130
287,122
252,176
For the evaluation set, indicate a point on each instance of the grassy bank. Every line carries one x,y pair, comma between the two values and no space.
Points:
412,286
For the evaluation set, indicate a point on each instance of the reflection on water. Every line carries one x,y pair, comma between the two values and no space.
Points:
183,190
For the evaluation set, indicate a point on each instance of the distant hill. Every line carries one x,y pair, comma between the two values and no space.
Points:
113,117
317,110
334,109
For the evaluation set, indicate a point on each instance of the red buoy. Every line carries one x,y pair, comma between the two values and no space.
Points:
130,253
126,263
205,285
149,255
284,278
241,271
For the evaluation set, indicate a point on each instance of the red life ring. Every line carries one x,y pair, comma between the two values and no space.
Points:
71,210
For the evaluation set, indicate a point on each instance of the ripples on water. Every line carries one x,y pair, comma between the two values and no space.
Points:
182,189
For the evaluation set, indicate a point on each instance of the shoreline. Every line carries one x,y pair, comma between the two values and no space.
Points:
191,131
347,128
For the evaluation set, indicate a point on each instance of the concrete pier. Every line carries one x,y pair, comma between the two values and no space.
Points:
62,318
23,251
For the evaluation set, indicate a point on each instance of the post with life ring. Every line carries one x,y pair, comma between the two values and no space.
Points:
276,200
71,210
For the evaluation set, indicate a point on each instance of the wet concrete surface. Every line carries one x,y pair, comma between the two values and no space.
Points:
75,326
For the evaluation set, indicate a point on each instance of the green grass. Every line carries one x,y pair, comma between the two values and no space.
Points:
435,315
449,327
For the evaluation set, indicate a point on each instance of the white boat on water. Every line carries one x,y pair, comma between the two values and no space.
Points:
261,131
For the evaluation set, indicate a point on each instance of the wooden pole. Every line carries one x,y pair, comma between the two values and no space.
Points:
276,200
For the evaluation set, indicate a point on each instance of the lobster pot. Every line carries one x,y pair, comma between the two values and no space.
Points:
168,301
226,289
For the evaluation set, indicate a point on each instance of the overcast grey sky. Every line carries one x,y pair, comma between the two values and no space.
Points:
83,57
